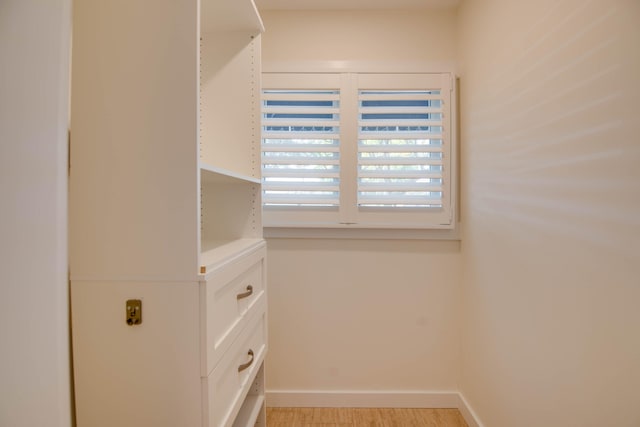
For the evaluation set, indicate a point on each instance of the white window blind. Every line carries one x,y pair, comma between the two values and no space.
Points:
400,149
349,150
300,148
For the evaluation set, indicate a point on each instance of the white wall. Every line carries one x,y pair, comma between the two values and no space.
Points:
386,38
34,331
550,93
362,315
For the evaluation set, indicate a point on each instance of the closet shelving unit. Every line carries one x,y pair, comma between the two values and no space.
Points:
229,71
165,208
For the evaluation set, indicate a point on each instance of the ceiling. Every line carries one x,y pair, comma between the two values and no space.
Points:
354,4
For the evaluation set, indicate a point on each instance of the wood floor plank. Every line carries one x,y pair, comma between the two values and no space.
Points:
332,415
364,417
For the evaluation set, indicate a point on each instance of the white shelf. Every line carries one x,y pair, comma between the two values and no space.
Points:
250,411
235,15
217,252
213,174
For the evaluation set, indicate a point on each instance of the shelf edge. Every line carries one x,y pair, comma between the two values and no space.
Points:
228,174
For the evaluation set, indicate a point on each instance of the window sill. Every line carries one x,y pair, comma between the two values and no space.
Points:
362,233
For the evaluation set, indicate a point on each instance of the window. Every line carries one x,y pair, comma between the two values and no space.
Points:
347,150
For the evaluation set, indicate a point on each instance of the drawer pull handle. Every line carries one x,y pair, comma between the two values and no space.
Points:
246,294
246,365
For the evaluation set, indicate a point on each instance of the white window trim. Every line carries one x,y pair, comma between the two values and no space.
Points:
362,233
338,231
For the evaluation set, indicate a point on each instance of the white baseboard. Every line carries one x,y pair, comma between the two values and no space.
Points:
362,399
468,413
372,399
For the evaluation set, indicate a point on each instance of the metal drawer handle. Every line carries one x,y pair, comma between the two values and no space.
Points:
246,294
246,365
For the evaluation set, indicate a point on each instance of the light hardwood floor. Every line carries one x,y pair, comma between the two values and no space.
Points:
363,417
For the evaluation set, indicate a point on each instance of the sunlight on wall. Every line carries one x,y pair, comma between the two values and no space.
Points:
551,204
555,139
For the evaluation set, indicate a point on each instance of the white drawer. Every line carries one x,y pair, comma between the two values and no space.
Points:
230,381
231,294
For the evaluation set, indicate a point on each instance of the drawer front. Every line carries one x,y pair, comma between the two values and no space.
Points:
230,381
232,293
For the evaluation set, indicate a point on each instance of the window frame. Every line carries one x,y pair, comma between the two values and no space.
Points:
377,223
